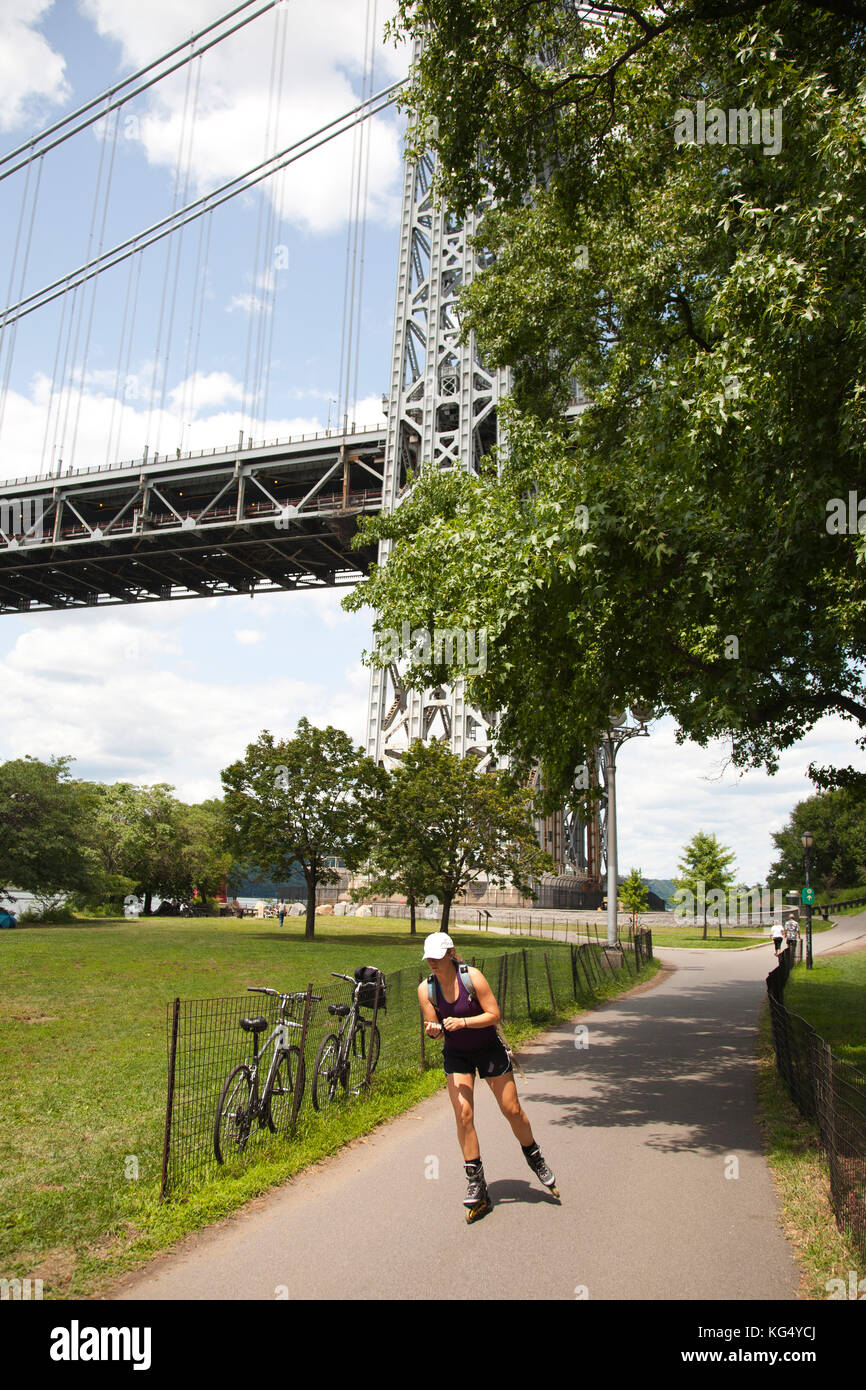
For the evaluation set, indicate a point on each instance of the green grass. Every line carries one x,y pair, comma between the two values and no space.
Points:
832,998
842,895
801,1176
83,1037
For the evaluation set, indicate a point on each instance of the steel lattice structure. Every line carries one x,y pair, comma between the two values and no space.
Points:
442,413
244,520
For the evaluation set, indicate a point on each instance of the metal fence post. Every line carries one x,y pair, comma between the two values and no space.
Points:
372,1033
296,1098
166,1142
549,982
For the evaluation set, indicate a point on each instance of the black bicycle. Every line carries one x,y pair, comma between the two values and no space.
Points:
334,1060
240,1104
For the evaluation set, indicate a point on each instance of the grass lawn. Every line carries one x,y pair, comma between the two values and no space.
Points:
83,1038
832,998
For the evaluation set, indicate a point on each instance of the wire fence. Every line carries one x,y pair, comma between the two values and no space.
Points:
832,1094
206,1044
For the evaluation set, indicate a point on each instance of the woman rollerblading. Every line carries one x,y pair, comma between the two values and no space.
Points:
458,1005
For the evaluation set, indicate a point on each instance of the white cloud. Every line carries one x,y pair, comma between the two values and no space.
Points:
97,687
106,430
248,636
31,73
206,389
236,125
667,792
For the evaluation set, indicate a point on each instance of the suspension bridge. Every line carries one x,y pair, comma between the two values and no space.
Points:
257,515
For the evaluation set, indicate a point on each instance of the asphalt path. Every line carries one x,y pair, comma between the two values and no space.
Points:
647,1119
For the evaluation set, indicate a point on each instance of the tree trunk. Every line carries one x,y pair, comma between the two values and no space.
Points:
310,929
148,900
446,911
412,914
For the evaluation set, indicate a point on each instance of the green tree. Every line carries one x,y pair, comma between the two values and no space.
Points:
44,816
709,299
395,863
634,894
139,834
465,824
837,819
706,869
301,800
207,864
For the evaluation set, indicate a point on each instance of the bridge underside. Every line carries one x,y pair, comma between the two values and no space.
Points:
246,521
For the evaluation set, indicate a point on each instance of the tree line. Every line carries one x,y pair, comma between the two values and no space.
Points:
426,829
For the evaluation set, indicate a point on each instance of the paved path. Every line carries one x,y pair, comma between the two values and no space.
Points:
641,1128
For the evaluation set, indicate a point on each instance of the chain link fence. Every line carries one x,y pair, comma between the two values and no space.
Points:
832,1094
206,1044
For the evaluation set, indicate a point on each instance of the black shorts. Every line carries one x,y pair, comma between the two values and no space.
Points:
487,1061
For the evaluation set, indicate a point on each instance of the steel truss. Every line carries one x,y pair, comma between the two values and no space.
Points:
245,521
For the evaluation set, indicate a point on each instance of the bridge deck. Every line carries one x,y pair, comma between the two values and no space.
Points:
245,521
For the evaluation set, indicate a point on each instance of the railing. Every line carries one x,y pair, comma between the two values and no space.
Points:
178,457
831,1093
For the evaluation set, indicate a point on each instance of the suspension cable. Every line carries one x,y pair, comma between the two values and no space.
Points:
29,145
172,223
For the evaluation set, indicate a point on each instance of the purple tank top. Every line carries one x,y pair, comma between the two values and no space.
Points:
463,1039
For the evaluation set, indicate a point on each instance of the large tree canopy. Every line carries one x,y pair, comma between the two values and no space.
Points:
678,541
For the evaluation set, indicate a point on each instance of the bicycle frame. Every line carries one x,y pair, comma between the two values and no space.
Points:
279,1036
352,1024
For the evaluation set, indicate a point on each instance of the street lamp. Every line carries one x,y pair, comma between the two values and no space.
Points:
808,840
617,733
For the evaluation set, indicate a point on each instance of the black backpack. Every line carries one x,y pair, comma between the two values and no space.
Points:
368,976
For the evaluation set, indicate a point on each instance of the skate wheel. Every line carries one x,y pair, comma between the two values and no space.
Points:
553,1189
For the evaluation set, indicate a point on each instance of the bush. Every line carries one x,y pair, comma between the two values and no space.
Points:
51,916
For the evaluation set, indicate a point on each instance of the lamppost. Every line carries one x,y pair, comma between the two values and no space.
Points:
808,841
612,740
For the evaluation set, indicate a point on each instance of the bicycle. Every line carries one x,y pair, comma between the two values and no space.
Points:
334,1058
240,1104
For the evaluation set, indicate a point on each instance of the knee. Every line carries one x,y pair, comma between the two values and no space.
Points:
465,1114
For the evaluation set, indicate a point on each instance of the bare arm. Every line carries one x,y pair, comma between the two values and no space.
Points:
432,1026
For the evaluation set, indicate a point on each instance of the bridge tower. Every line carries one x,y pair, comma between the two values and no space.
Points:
442,413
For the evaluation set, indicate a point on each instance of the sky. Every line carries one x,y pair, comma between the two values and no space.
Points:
236,327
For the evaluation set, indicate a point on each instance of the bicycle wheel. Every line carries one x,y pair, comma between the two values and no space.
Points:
290,1074
359,1045
234,1112
328,1073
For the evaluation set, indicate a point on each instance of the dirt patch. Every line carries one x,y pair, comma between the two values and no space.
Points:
55,1269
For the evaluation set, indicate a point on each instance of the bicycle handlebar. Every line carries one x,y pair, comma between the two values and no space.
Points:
263,989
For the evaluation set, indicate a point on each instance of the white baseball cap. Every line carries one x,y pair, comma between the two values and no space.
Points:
437,945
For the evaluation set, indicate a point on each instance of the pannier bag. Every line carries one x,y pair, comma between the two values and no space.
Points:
367,976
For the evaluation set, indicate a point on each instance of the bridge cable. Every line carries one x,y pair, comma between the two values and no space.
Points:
368,131
7,342
264,344
79,305
352,239
177,245
208,203
255,312
105,203
29,145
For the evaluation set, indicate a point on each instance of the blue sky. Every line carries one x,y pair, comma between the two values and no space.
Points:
173,692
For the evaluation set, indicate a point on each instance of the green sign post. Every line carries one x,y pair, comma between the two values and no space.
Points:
807,897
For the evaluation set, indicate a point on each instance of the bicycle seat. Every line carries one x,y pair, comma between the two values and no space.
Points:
254,1025
339,1010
